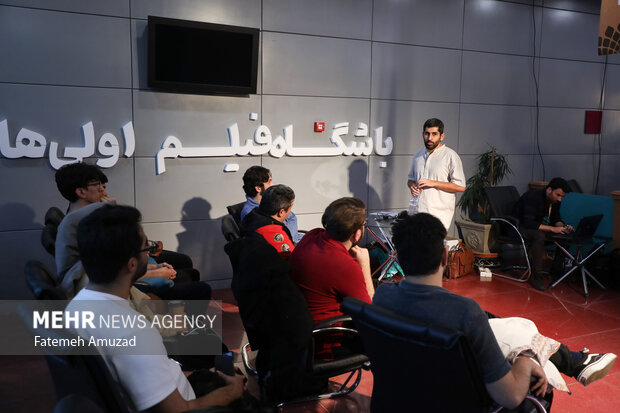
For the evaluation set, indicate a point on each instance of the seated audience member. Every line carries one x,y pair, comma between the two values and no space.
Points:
268,219
113,248
419,242
538,211
256,180
328,264
81,185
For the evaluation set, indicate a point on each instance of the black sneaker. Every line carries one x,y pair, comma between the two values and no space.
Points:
538,283
594,367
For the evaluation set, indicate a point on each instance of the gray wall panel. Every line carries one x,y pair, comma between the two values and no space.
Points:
579,167
403,121
417,73
24,205
610,170
570,35
390,183
197,120
186,184
58,113
495,78
309,221
562,132
109,7
508,128
18,248
317,181
308,65
493,26
302,112
570,84
612,87
233,12
424,22
588,6
611,132
344,18
202,240
98,56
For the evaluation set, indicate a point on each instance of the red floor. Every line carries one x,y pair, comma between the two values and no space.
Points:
562,313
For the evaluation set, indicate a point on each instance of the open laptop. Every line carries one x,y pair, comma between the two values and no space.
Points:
585,229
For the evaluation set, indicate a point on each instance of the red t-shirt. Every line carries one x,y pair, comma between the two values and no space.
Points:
326,273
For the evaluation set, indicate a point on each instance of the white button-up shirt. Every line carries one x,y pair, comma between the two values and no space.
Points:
443,165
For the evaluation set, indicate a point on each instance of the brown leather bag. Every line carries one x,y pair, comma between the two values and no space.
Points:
460,262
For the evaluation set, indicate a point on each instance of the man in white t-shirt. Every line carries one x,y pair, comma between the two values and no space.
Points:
113,249
436,175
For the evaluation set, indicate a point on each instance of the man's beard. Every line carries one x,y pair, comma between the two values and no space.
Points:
430,145
140,272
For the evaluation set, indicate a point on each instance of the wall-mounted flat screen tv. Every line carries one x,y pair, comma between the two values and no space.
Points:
203,58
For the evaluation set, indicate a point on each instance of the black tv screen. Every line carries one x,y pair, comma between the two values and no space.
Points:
203,58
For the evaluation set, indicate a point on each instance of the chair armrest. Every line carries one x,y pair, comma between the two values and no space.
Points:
332,321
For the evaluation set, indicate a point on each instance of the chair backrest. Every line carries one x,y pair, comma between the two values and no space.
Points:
416,366
41,282
235,211
574,186
230,229
502,200
53,216
87,376
576,205
275,317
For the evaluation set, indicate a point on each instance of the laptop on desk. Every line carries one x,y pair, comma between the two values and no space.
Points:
585,230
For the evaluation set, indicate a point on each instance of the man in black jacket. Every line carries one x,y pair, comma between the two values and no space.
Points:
268,219
538,211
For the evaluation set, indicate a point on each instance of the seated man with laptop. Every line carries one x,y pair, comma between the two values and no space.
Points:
538,211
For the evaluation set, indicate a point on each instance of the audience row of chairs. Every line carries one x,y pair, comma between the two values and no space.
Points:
409,358
415,366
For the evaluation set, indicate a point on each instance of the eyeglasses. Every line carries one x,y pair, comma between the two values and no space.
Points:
97,183
153,248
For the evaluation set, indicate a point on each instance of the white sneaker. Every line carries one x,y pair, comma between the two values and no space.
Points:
595,367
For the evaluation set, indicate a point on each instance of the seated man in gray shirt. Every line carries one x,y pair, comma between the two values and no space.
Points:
419,242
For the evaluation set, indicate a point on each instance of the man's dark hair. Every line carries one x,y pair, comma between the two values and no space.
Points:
253,177
556,183
73,176
431,123
419,241
107,238
343,217
103,178
275,198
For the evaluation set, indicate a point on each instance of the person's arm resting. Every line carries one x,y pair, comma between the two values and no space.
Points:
222,396
450,187
510,390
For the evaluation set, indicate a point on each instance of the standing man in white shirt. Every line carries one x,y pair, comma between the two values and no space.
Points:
436,175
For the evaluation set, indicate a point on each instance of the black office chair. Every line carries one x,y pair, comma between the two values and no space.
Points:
510,243
52,219
41,282
435,363
574,186
230,229
279,326
235,211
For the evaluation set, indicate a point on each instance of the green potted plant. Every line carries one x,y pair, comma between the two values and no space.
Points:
492,169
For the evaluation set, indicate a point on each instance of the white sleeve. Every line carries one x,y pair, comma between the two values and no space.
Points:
457,176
